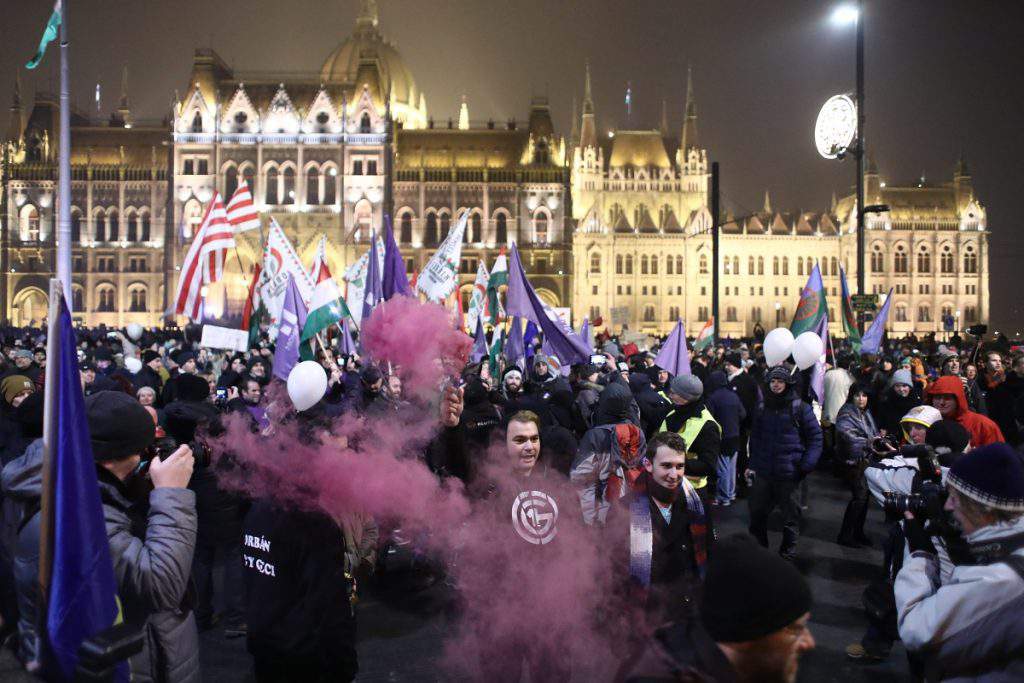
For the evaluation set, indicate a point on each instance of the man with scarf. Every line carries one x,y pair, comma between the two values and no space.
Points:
669,535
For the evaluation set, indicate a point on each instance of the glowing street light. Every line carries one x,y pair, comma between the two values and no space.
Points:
845,15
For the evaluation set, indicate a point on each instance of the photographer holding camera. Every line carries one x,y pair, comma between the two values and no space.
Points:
971,625
151,527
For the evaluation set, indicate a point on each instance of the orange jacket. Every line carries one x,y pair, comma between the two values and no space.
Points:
983,430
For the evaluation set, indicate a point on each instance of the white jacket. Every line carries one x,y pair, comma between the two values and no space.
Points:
971,627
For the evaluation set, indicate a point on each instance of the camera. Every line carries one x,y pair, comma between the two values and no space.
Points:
164,446
927,503
884,444
221,398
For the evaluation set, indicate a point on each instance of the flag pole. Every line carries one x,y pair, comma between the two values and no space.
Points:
64,171
49,450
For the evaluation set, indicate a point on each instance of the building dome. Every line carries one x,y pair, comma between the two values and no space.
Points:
367,44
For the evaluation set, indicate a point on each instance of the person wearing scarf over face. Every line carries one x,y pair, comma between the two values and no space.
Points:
665,527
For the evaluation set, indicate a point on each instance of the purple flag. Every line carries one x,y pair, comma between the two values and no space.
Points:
528,337
585,333
818,373
521,300
395,281
871,342
515,348
674,356
479,349
289,335
373,293
346,346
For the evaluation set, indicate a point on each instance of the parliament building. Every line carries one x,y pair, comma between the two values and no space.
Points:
610,224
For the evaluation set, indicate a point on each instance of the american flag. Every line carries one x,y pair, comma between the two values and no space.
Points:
242,213
204,262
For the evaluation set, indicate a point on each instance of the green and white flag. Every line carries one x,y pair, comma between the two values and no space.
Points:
703,339
325,309
440,276
355,276
478,301
49,35
498,278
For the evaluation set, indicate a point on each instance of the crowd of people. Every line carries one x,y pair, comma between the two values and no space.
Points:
925,434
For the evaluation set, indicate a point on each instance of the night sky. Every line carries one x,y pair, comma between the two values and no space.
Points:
942,77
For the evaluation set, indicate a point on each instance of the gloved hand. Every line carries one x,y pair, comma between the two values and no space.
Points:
917,537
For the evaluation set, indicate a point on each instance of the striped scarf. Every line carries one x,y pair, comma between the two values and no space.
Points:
641,532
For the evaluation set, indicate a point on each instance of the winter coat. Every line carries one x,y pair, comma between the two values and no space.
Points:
970,628
702,452
587,396
600,456
745,387
1002,406
889,411
682,652
837,386
724,404
983,430
785,438
855,428
152,557
652,405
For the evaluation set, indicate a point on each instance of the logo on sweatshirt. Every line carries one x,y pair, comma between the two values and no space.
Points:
535,516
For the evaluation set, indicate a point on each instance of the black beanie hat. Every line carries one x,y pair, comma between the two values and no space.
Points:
192,387
948,434
149,355
750,592
118,425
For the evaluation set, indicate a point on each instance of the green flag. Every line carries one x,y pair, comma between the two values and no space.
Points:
49,35
497,344
498,278
812,306
849,317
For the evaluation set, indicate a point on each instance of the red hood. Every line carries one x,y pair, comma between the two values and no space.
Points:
950,385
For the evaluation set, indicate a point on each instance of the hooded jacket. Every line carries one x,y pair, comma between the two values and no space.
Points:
983,430
724,404
855,428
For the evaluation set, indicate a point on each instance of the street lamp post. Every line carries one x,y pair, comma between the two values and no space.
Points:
861,288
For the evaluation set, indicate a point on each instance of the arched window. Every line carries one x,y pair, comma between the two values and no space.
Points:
899,259
618,264
363,216
924,260
643,265
138,300
476,231
271,193
648,314
76,227
230,182
330,186
540,228
703,264
105,298
145,233
948,262
750,266
629,264
877,259
595,263
924,314
730,314
785,265
288,194
760,265
29,224
800,265
430,233
679,265
735,265
668,265
775,265
312,186
971,313
133,228
755,314
901,313
77,299
364,123
113,226
249,174
970,260
446,224
824,266
726,266
835,266
405,228
197,123
501,236
654,265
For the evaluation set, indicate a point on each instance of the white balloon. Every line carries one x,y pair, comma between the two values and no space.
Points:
778,344
807,349
134,331
132,364
307,384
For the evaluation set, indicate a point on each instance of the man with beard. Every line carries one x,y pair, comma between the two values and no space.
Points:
670,534
752,627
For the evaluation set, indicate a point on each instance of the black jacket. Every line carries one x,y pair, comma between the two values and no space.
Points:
745,387
681,652
298,594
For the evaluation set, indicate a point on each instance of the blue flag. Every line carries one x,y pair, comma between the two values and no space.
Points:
346,346
528,336
515,348
394,281
871,342
83,592
479,342
49,35
674,356
522,300
289,335
374,291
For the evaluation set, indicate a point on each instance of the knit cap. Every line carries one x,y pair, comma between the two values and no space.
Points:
13,385
902,377
991,475
687,386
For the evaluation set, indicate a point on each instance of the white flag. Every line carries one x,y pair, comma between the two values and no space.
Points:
478,301
319,259
280,259
441,274
355,277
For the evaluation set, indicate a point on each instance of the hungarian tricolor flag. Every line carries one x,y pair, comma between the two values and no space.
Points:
325,309
498,278
707,333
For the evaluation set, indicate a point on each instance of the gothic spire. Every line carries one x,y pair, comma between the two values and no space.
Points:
574,135
368,15
124,109
464,115
664,118
767,202
588,127
689,139
17,119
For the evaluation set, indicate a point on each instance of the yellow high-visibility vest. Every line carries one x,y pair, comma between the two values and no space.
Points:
691,428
